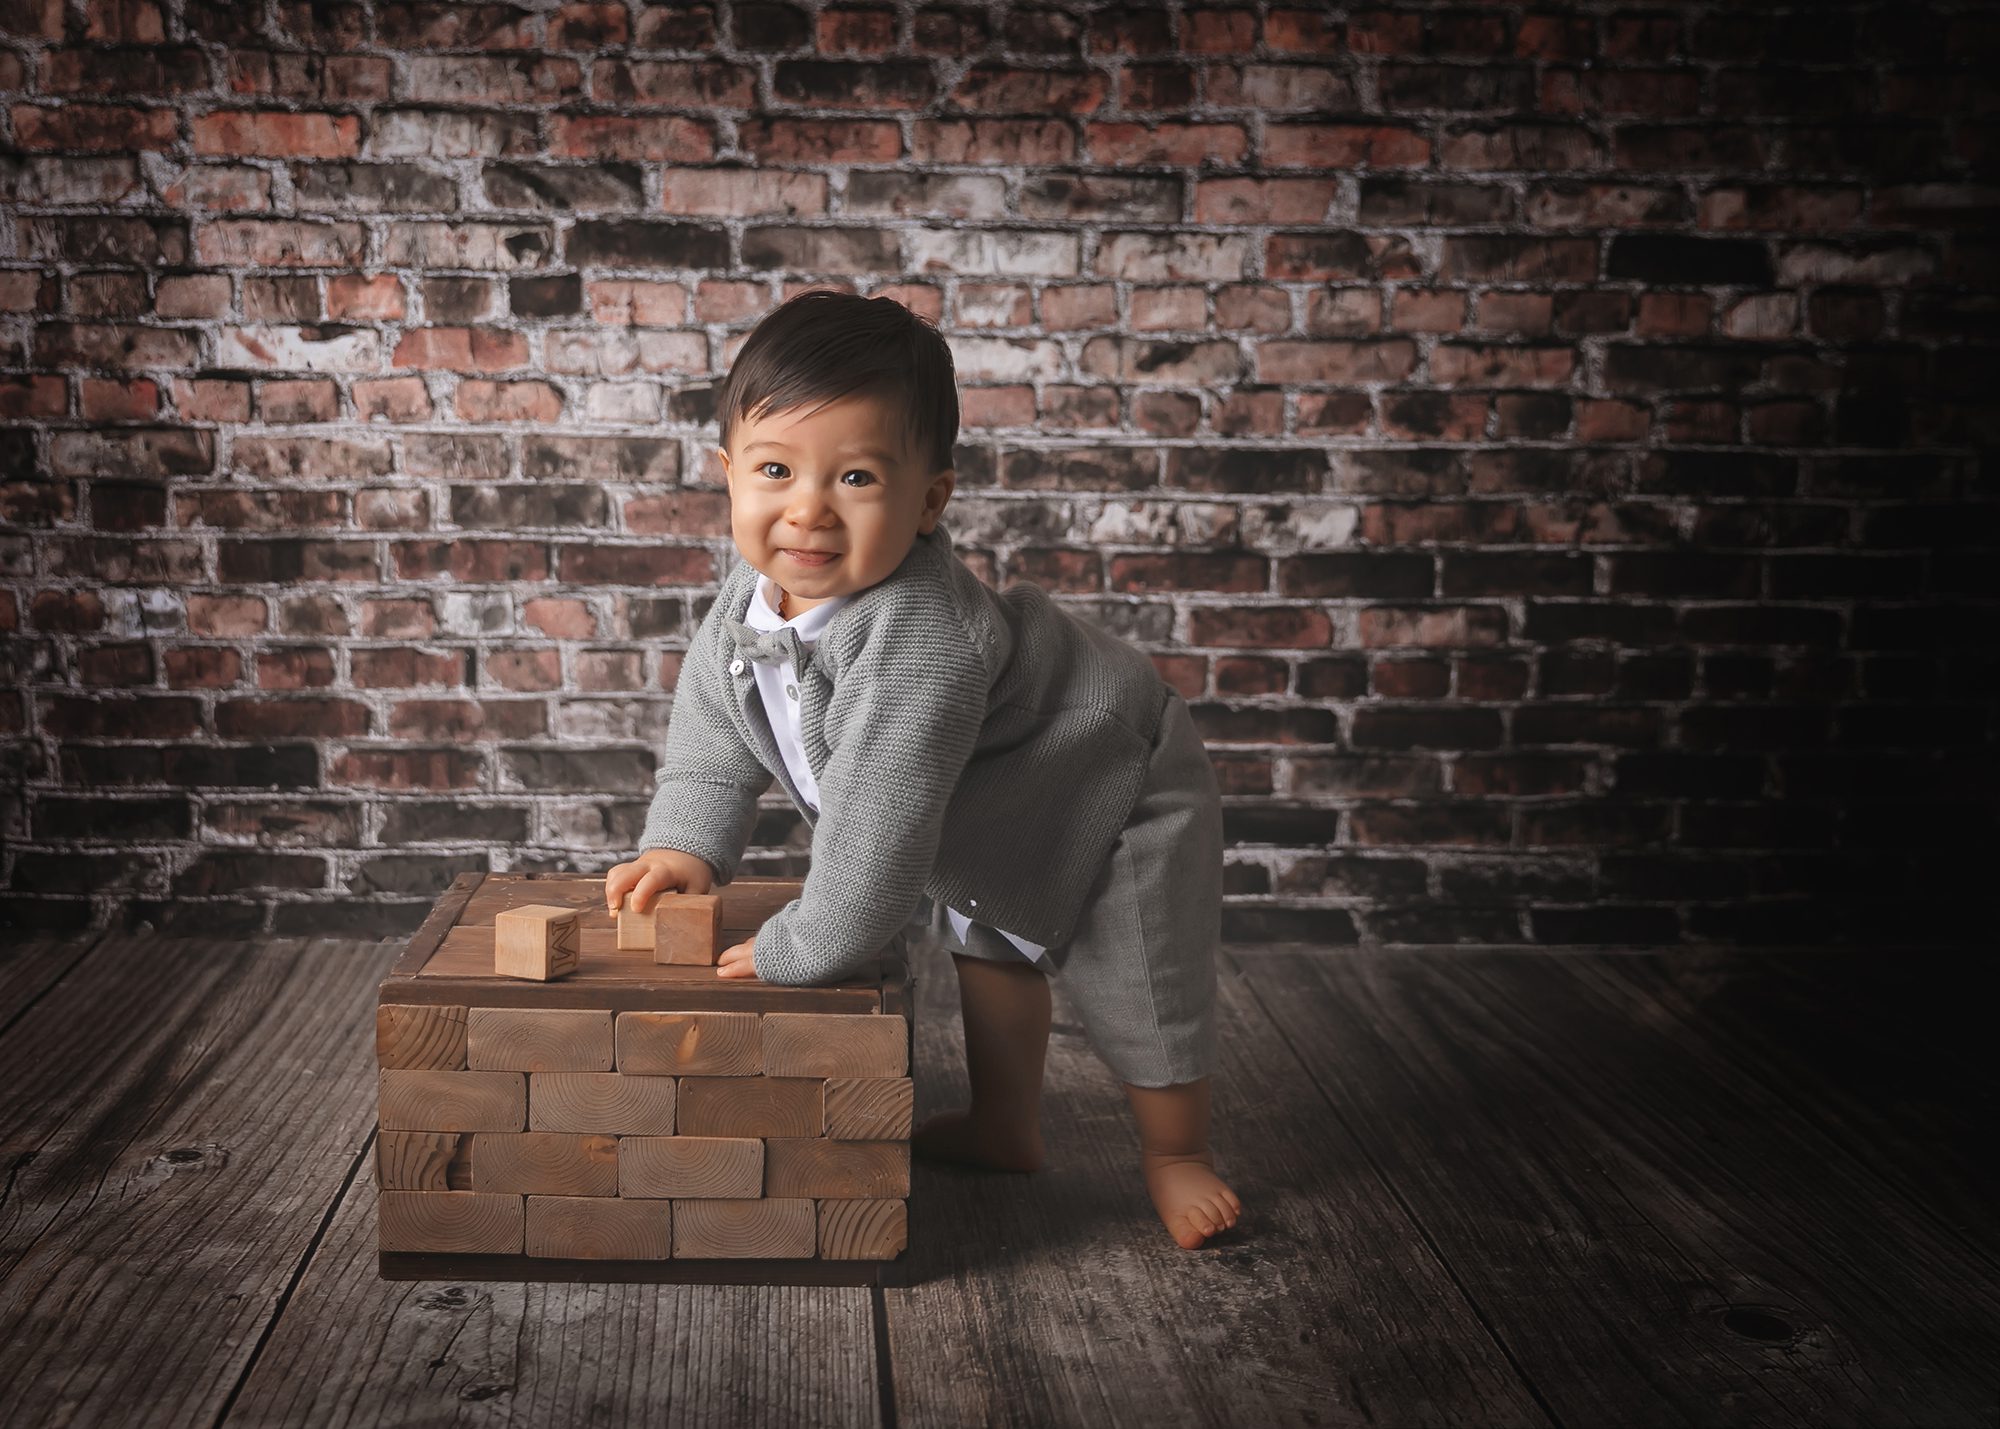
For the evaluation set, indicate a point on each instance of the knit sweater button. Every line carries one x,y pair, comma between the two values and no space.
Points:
735,667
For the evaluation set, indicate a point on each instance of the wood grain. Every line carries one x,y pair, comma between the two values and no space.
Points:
424,1160
741,1230
863,1230
454,1101
589,1228
354,1349
1705,1199
869,1108
815,1166
687,929
752,1106
178,1115
607,1102
710,1044
707,1167
461,1222
540,1039
545,1163
416,1038
805,1044
1324,1305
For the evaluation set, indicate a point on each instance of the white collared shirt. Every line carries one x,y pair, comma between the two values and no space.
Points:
778,687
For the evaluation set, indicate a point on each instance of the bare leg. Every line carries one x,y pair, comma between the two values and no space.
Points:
1006,1007
1179,1168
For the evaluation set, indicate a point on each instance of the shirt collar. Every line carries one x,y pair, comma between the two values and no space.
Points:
762,613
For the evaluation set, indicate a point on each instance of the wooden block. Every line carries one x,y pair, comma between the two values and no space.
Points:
423,1160
453,1101
714,1044
420,1038
546,1163
704,1167
463,1222
540,941
736,1230
590,1228
609,1103
752,1106
538,1039
635,930
835,1044
870,1108
851,1170
862,1230
687,929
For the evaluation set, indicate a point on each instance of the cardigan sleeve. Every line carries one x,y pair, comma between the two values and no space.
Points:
903,721
705,791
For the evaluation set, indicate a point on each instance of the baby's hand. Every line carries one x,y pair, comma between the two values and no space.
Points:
737,961
656,871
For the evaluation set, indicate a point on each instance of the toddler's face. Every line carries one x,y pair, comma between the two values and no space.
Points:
829,503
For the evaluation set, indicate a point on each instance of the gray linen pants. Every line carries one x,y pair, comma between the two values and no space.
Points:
1140,966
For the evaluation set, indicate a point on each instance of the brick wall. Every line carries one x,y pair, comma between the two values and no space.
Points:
1544,444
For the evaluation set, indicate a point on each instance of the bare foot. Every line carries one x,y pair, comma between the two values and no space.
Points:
1191,1199
953,1136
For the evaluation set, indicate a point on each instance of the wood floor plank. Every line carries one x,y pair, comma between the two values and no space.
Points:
1058,1299
1886,1051
177,1117
30,966
354,1349
1656,1239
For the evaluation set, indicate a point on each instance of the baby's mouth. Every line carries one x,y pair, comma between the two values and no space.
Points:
812,558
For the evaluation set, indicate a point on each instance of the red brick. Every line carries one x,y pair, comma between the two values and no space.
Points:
277,134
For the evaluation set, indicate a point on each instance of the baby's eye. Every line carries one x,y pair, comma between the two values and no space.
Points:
765,467
865,476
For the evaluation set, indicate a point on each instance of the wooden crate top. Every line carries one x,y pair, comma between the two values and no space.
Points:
450,959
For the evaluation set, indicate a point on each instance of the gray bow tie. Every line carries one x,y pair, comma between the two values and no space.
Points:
768,647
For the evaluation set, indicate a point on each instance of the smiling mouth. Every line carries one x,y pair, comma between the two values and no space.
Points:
810,558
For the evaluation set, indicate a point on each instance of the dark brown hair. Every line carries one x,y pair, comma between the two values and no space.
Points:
822,345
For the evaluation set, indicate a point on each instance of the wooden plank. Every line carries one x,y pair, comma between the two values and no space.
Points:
543,1163
752,1106
178,1117
691,1167
863,1230
807,1044
855,1170
591,1228
611,1103
421,1038
352,1349
538,1039
1884,1050
453,1101
424,1160
430,933
1058,1297
706,1044
869,1108
764,1229
638,985
1595,1174
460,1222
29,967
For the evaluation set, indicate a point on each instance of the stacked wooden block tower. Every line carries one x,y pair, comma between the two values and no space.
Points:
593,1113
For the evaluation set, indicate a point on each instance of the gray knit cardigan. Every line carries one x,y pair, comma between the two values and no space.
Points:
983,747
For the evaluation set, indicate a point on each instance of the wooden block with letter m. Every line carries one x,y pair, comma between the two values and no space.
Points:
630,1117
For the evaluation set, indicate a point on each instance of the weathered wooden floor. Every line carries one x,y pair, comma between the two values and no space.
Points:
1481,1187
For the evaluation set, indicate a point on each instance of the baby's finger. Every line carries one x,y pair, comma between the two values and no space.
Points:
656,881
620,878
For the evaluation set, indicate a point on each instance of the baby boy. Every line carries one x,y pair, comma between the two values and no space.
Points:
1027,772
